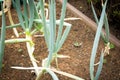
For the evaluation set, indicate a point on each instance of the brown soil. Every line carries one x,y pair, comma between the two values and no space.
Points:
77,64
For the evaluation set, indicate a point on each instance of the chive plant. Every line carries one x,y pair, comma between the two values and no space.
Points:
103,21
54,38
26,19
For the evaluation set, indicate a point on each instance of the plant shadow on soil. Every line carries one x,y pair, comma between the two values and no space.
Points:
77,64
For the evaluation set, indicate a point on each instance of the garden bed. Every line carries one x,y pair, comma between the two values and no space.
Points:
77,64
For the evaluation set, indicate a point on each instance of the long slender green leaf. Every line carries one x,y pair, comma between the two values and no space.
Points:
96,19
52,27
13,26
36,16
107,28
16,40
67,74
44,21
100,66
94,13
37,11
52,23
61,22
25,13
2,39
38,6
16,3
54,76
31,5
65,34
96,41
